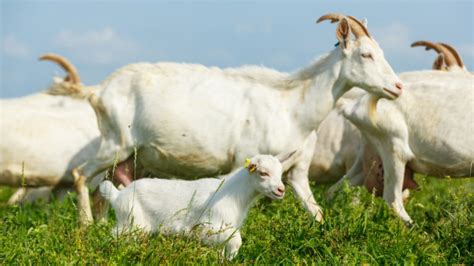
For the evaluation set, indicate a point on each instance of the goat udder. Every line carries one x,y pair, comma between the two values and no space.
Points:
124,172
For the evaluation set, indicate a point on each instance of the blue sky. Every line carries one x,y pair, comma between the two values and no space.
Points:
101,36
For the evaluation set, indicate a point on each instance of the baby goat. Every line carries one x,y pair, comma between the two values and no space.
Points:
216,206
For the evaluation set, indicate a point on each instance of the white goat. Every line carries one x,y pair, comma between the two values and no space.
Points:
448,58
218,207
368,168
192,121
43,137
429,129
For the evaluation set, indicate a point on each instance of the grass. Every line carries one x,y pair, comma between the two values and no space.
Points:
358,229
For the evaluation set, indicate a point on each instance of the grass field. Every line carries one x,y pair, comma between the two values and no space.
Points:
358,229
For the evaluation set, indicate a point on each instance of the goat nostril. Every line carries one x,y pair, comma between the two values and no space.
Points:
281,189
399,85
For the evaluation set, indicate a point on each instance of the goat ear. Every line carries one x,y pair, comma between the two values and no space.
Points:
365,22
250,166
439,63
343,33
287,160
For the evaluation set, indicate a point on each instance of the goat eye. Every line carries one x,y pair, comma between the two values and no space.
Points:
264,174
367,55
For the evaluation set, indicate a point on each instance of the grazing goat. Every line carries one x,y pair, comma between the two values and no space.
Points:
420,130
218,207
193,121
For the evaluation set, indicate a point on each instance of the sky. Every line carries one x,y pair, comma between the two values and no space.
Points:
99,37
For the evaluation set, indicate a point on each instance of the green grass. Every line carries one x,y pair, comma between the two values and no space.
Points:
358,229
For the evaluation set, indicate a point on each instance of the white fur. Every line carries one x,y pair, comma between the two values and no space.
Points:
352,147
43,137
430,127
337,146
218,207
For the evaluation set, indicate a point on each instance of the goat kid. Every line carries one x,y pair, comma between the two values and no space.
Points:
218,207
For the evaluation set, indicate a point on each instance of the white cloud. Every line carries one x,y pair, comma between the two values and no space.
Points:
14,48
102,46
393,37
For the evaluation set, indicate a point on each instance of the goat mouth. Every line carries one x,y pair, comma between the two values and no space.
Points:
393,94
278,196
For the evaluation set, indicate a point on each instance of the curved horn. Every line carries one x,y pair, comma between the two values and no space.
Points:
65,64
449,58
333,17
454,53
357,27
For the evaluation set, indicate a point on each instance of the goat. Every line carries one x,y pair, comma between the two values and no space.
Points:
45,136
218,207
368,168
429,136
193,121
448,58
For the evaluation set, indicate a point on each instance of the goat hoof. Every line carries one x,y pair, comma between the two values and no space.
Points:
319,217
76,174
409,224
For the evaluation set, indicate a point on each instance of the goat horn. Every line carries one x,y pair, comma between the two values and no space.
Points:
357,27
454,53
65,64
449,58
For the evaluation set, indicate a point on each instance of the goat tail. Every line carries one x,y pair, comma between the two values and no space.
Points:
109,191
65,88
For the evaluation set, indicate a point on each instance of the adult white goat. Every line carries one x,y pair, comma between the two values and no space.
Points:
218,207
432,136
191,121
448,59
368,168
43,137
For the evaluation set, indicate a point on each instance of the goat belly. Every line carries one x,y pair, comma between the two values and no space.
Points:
184,163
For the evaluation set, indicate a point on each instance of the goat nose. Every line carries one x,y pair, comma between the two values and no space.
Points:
281,189
399,85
